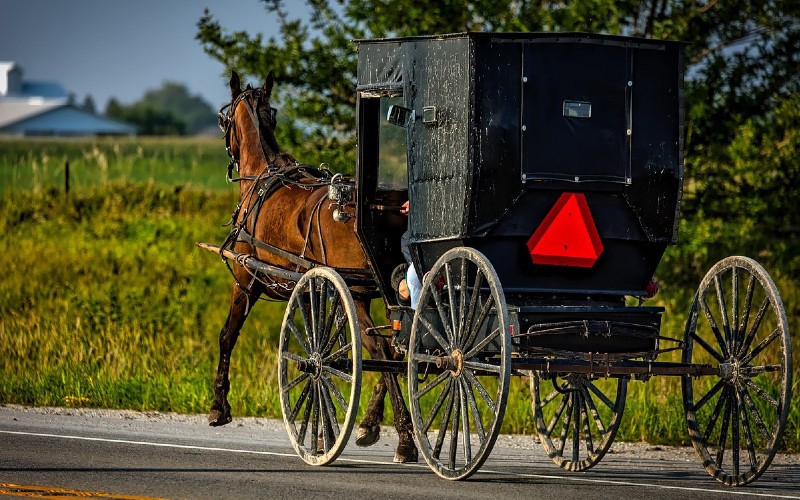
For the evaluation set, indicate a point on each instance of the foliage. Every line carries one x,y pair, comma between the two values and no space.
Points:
148,119
175,98
167,110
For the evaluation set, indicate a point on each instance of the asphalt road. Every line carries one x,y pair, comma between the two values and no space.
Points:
49,453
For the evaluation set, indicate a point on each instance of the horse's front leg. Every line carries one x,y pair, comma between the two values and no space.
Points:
241,303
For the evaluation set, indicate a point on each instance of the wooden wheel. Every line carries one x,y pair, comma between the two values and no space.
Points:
577,417
459,363
736,418
320,366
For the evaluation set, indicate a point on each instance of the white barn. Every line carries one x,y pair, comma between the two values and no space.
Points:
44,109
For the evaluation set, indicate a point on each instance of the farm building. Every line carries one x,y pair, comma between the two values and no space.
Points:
45,109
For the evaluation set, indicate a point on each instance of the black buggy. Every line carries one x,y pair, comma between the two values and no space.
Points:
544,174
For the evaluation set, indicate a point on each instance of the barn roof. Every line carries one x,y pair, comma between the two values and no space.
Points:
47,117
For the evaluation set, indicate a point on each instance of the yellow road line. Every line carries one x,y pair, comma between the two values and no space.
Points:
18,490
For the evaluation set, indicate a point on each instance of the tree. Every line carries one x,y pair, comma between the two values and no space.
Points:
742,57
175,98
147,118
167,110
88,104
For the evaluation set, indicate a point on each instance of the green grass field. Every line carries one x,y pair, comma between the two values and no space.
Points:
106,302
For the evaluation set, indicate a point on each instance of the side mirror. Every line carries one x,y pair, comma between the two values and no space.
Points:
400,116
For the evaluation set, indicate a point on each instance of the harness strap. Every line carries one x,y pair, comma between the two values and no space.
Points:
246,237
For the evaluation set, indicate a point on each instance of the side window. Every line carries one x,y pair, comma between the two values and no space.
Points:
392,153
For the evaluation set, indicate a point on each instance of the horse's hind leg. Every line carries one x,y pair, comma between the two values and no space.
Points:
241,302
369,430
379,348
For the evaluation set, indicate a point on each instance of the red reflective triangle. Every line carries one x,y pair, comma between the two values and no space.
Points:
567,236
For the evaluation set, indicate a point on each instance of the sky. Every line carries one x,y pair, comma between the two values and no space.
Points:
122,48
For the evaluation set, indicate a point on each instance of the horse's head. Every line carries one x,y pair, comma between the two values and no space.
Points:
248,122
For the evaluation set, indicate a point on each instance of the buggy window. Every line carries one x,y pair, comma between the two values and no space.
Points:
392,155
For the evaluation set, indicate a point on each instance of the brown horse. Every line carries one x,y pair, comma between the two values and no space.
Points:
284,220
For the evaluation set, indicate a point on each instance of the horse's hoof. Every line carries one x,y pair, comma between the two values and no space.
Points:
406,454
217,418
368,435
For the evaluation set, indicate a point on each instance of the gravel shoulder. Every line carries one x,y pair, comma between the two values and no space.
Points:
249,426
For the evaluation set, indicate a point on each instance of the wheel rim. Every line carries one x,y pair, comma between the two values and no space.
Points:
736,418
320,366
577,418
461,324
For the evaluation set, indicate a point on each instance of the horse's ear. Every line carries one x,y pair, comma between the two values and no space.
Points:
267,88
236,85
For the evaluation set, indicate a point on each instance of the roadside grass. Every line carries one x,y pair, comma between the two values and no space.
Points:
105,301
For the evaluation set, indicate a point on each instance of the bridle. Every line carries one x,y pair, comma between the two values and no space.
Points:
252,98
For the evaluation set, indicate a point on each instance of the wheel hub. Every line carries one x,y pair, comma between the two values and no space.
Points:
454,362
730,371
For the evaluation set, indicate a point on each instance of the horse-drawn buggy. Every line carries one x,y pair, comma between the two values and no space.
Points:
544,175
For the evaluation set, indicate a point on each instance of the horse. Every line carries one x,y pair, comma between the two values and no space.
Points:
249,125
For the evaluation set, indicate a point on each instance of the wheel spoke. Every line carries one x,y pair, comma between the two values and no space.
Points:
748,303
576,426
339,353
315,419
762,393
443,425
475,327
715,414
484,367
330,408
342,375
587,431
291,385
470,315
297,335
714,328
595,414
556,416
462,303
707,347
748,436
483,343
440,309
734,433
474,382
336,393
290,356
565,421
432,331
314,300
723,309
756,416
465,422
473,405
705,399
438,380
437,406
760,347
300,400
756,325
723,433
734,307
599,394
454,428
332,336
451,301
307,325
310,402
